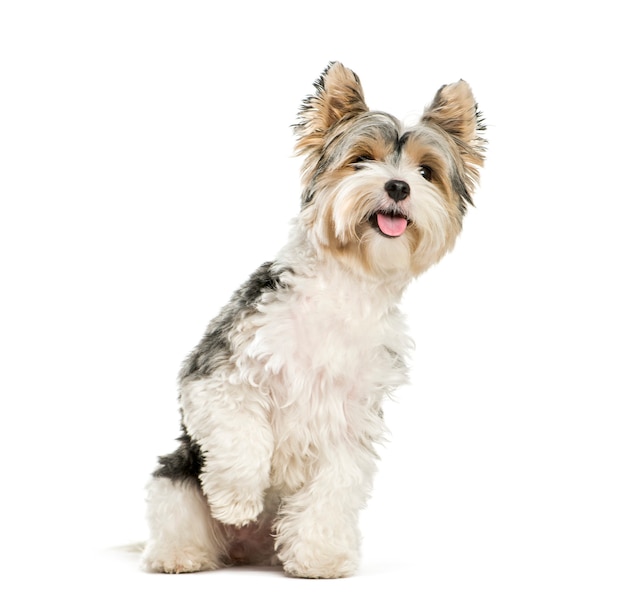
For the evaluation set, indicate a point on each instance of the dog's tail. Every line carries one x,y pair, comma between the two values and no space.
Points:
135,548
127,551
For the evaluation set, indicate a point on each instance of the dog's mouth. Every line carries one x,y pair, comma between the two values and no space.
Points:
389,223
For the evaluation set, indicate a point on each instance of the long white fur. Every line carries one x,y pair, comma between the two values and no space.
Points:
183,535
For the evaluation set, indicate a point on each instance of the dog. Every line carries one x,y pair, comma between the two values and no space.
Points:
281,399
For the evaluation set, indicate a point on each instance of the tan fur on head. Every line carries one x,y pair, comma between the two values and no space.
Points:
338,97
455,112
350,153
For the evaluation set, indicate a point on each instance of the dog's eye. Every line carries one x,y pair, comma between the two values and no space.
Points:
361,159
426,172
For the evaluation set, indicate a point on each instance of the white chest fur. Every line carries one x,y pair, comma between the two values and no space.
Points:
328,336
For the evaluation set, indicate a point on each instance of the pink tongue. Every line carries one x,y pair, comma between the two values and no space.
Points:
390,225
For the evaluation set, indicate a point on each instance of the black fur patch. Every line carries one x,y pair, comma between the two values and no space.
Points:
460,188
214,348
185,463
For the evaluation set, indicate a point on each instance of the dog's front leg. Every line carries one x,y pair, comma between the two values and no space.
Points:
317,534
230,424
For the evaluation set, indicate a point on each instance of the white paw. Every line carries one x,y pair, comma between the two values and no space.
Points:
236,511
307,563
176,561
333,568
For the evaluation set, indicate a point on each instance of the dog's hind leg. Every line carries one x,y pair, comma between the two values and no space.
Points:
183,535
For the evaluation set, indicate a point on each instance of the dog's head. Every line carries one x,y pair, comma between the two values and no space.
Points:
385,198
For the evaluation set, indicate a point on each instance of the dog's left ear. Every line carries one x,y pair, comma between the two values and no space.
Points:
454,110
338,97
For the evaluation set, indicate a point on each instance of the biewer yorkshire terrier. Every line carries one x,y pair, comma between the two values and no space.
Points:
281,399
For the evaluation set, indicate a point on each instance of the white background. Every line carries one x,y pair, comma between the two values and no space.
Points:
146,169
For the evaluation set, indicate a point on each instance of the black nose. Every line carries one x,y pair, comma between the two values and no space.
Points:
398,190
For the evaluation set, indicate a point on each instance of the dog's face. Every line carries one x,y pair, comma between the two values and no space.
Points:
386,199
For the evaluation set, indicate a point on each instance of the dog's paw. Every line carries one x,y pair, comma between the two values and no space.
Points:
309,564
236,511
176,561
233,502
333,568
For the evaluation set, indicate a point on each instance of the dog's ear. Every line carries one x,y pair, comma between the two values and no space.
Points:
338,96
454,111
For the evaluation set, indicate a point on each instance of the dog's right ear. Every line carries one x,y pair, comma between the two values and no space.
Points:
338,96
